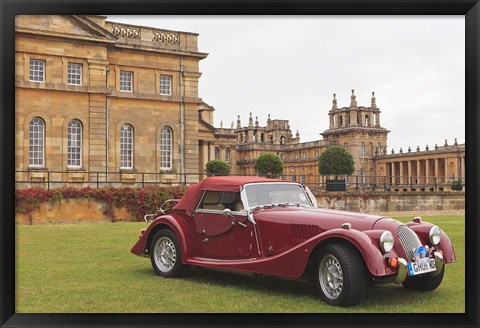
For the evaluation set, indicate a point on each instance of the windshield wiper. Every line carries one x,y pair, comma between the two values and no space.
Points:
261,207
292,204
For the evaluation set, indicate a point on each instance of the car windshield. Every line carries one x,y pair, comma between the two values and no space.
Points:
276,194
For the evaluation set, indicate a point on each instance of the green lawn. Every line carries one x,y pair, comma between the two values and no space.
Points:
88,268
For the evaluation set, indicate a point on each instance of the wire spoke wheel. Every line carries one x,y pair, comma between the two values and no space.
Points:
165,254
331,276
340,276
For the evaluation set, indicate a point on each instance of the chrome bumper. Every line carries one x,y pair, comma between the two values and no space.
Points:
402,271
439,263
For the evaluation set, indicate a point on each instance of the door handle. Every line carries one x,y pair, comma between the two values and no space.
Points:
239,223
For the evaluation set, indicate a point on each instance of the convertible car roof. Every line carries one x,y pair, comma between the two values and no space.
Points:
222,183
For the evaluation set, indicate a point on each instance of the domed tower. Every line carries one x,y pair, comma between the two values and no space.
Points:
358,129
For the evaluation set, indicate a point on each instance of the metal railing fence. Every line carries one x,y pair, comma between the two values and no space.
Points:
317,183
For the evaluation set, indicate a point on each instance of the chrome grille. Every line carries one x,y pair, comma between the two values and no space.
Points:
409,240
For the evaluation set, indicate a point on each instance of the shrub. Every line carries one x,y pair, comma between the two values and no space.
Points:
269,165
138,201
457,185
217,167
336,161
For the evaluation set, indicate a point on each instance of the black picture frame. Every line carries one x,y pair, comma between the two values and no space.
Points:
9,8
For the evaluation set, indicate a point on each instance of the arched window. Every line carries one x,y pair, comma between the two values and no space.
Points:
227,155
166,143
282,140
216,153
362,176
378,151
126,147
74,144
362,150
36,151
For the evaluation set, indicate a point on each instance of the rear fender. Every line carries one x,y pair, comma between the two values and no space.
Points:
179,228
422,229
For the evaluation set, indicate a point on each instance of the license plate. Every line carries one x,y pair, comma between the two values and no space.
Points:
420,267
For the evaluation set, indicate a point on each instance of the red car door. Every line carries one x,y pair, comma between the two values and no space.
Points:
223,236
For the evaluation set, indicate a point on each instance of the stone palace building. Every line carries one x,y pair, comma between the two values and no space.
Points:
104,102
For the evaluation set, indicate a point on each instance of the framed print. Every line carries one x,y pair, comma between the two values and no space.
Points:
130,101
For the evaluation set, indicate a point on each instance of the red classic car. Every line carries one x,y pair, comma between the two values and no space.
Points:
274,227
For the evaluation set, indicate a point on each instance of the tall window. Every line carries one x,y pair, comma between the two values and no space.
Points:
165,85
126,147
74,144
227,155
37,70
126,81
74,74
166,149
362,176
216,153
37,143
379,149
362,150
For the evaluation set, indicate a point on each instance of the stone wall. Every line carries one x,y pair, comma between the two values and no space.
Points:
408,204
427,202
72,211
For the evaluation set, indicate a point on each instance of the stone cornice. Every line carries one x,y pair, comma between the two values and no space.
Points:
51,34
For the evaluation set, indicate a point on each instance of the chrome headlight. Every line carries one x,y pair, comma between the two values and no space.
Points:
435,235
386,241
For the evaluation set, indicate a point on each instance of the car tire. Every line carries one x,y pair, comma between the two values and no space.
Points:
424,283
166,256
340,275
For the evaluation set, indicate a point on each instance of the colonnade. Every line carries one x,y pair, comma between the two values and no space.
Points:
426,171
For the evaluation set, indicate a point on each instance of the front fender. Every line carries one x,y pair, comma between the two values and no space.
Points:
423,228
174,223
368,249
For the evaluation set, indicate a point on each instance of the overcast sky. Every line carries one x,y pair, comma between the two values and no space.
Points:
290,66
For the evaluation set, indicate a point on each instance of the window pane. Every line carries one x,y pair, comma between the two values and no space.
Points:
74,144
74,74
36,142
166,149
165,85
126,81
126,147
37,70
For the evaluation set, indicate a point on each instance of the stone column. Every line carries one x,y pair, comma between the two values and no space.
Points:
427,172
418,171
394,179
457,167
410,172
400,178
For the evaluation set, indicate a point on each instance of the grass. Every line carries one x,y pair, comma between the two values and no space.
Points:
88,268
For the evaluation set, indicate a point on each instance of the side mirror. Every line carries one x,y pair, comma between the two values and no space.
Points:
227,212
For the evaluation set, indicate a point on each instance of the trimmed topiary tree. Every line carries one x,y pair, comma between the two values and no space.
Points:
269,166
336,161
217,167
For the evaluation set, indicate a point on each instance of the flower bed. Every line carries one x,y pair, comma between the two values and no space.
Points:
136,201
